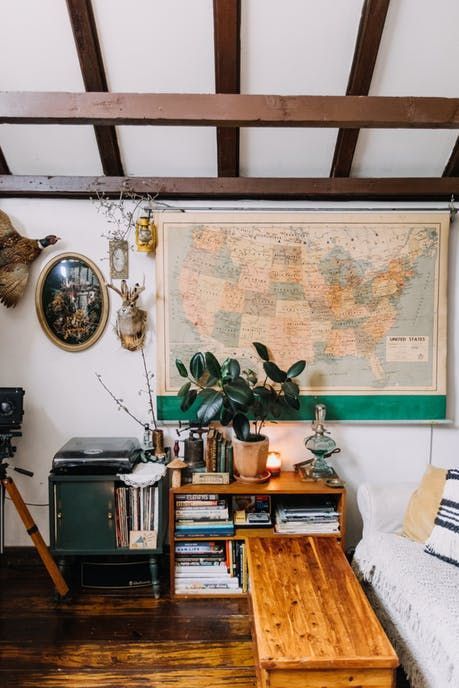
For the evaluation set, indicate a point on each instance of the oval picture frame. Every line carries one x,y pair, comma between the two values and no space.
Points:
71,299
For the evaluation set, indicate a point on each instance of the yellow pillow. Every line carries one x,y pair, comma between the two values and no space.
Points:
423,505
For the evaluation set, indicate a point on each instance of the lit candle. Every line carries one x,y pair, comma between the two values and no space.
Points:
274,464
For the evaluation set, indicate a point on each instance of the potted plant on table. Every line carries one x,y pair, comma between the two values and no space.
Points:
236,397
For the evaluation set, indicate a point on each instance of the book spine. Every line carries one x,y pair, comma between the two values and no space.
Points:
196,497
199,546
215,457
245,569
195,504
230,460
210,449
200,564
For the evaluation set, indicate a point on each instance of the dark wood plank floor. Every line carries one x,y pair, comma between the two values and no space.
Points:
118,640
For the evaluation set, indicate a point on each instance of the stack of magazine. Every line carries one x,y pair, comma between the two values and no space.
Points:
210,568
202,515
297,517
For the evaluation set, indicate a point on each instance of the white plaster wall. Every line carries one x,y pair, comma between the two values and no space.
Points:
64,399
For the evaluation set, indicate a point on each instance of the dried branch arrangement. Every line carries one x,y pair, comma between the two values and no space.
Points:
148,391
121,212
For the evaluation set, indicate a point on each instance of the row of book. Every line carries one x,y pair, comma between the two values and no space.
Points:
211,568
136,510
306,519
202,515
219,453
214,515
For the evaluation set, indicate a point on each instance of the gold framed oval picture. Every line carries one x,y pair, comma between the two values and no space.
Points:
72,303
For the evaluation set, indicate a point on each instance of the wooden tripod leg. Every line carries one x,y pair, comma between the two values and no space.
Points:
50,565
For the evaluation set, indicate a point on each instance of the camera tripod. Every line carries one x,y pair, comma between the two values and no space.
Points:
8,486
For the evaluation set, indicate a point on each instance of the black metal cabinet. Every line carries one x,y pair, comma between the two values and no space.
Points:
83,520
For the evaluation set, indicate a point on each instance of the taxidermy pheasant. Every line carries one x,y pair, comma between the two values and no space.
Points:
17,253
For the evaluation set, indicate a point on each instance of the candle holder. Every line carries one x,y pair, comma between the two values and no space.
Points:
274,464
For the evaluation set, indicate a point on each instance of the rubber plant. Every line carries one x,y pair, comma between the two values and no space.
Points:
234,396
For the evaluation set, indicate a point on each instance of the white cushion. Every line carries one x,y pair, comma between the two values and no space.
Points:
383,506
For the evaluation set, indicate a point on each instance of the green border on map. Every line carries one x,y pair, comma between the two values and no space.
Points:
401,407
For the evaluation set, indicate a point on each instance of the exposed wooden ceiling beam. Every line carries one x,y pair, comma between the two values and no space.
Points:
227,51
92,69
347,188
366,51
229,110
452,166
4,169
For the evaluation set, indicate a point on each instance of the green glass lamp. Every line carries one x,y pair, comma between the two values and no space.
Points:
321,445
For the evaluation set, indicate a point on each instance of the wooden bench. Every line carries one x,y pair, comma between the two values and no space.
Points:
312,624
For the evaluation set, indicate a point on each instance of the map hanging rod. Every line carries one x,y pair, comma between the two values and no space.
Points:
450,207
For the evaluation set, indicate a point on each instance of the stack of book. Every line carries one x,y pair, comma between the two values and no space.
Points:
219,453
210,568
300,518
136,510
202,515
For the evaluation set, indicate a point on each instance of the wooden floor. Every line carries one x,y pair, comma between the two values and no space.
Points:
121,640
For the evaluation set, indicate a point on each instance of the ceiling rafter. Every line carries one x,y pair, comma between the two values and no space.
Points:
229,110
369,36
349,188
92,69
227,52
4,169
452,166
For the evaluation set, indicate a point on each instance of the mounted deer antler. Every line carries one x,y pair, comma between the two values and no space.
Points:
130,320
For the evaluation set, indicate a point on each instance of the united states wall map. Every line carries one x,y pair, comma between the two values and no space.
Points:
361,297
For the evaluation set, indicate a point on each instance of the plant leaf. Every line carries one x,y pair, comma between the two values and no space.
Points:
225,370
213,366
262,351
197,365
226,416
188,400
274,372
181,368
291,389
184,389
241,427
239,392
259,409
296,369
262,392
276,409
209,381
211,405
293,402
234,368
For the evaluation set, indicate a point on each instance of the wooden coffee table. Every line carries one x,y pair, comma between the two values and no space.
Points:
313,626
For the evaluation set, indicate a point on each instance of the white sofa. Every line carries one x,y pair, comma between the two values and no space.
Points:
415,595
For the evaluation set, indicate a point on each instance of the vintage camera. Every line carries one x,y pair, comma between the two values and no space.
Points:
11,407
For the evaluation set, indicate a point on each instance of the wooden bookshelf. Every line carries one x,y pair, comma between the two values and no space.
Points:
288,483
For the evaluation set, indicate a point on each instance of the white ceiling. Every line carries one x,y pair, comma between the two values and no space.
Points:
289,47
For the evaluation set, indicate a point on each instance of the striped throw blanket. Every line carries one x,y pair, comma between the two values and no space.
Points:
444,539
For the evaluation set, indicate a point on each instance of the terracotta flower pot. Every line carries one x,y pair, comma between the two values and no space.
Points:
250,458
